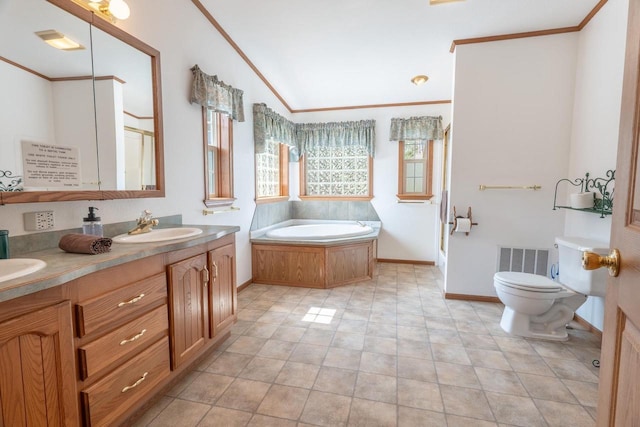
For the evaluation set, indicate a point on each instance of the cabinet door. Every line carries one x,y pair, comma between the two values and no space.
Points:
189,298
224,304
37,373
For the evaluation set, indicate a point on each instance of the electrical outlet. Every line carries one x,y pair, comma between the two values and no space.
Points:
38,221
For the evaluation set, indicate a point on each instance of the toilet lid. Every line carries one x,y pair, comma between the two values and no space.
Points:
527,281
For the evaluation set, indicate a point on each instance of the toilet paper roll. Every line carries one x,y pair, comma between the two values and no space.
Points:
463,225
581,200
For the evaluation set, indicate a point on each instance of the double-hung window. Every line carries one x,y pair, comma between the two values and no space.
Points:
218,151
415,165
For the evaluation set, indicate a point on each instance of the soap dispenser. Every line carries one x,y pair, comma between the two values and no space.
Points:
92,224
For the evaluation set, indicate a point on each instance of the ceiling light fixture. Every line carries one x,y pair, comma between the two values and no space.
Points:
111,10
119,9
419,80
58,40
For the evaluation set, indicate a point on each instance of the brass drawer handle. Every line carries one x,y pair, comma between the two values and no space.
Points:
205,277
136,384
131,301
133,338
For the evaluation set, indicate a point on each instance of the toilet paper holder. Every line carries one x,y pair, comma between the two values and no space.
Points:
456,217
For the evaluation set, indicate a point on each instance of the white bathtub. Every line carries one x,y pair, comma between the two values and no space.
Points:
322,231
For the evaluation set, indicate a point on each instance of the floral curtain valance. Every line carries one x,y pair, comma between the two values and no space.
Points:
267,124
337,134
212,93
416,128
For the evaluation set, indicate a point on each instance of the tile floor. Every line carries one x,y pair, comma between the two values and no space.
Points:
389,352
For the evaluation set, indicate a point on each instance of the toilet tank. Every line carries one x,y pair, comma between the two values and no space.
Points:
572,275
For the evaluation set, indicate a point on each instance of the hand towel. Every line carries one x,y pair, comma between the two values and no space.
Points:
84,244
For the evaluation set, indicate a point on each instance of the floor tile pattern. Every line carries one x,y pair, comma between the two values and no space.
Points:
387,352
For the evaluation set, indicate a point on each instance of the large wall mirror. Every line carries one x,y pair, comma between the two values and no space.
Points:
76,124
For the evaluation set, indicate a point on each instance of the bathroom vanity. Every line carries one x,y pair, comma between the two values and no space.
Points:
90,340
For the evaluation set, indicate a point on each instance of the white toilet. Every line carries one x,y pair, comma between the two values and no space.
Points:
538,307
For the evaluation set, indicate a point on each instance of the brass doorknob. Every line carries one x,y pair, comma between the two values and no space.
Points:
592,261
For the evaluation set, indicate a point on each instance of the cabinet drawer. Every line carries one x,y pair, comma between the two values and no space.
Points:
108,399
114,306
126,340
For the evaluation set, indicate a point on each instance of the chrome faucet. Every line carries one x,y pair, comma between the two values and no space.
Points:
144,223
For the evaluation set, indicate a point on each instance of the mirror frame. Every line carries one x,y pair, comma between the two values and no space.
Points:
7,197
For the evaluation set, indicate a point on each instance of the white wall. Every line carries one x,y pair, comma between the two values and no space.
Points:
74,126
512,110
409,231
22,91
109,107
596,118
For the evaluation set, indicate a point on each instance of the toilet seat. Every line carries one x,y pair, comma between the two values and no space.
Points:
527,282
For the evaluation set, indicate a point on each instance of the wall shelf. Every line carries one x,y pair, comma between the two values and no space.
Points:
590,210
603,202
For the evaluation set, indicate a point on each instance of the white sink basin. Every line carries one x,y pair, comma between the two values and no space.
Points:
18,267
158,235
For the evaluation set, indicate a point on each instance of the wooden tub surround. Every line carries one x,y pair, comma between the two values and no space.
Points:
313,266
313,263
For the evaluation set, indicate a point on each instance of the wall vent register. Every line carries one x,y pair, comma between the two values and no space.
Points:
534,261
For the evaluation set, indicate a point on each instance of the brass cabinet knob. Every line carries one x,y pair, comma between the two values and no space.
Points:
592,261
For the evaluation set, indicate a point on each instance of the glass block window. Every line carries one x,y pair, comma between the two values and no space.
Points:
337,172
268,171
415,169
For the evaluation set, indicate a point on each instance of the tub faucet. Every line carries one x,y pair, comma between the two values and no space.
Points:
144,223
362,224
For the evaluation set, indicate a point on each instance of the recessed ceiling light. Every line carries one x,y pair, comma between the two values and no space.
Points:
58,40
419,80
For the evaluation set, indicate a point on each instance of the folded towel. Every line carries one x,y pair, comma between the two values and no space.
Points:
84,244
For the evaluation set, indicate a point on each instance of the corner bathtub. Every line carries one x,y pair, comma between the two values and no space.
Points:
324,231
314,255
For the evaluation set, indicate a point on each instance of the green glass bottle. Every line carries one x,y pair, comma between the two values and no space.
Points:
4,244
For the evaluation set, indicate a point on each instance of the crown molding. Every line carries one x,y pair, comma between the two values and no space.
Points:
538,33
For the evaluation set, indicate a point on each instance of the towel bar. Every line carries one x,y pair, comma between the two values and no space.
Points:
210,212
510,187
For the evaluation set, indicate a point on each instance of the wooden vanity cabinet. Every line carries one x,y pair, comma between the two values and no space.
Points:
224,304
121,338
202,296
94,351
189,297
37,371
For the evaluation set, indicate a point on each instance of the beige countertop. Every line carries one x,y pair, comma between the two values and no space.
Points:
63,267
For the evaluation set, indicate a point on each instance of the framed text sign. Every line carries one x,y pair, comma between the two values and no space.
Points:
46,165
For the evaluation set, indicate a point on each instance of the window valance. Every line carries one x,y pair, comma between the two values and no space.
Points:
337,134
212,93
416,128
267,124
